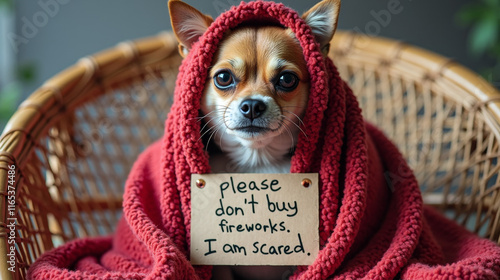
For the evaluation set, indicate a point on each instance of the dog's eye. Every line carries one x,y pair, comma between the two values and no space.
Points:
287,81
223,80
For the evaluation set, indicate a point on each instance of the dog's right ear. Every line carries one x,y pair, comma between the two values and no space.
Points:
188,24
322,18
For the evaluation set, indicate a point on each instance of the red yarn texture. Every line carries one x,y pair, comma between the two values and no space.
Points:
373,224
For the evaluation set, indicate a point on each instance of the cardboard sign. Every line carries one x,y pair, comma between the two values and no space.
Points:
254,219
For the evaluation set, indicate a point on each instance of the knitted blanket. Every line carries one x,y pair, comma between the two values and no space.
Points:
373,224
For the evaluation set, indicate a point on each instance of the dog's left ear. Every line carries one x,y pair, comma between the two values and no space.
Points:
322,18
188,24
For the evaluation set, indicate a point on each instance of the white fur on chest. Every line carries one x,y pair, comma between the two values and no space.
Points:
221,163
270,156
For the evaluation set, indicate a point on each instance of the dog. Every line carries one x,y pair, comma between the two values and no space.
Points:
254,98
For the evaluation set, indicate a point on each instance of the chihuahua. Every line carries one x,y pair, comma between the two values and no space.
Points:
254,98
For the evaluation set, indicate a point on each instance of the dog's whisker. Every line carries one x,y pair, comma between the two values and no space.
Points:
211,135
290,106
301,130
211,130
220,140
223,107
291,136
207,123
204,133
208,130
298,118
202,117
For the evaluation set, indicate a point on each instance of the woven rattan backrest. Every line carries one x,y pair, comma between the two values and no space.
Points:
75,139
72,143
444,118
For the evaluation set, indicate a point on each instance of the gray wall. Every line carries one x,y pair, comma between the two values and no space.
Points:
70,29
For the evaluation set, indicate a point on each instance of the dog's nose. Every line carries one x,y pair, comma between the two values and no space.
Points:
252,108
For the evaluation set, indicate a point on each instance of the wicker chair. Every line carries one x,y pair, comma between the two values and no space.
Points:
67,150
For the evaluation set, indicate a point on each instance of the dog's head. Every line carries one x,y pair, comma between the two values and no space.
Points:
258,86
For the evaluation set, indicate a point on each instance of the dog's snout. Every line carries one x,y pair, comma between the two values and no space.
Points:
252,108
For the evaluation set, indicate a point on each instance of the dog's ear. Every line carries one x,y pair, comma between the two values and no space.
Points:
188,24
322,18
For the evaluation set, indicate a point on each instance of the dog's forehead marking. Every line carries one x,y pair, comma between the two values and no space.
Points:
236,62
277,63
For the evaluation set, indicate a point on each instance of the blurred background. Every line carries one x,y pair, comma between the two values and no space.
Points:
39,38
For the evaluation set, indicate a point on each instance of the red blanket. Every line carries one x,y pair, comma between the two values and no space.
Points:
373,224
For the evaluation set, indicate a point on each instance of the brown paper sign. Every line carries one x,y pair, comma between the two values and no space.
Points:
254,219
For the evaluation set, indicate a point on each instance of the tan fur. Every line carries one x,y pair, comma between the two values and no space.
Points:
257,52
188,24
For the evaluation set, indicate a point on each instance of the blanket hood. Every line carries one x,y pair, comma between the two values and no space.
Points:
195,69
325,116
